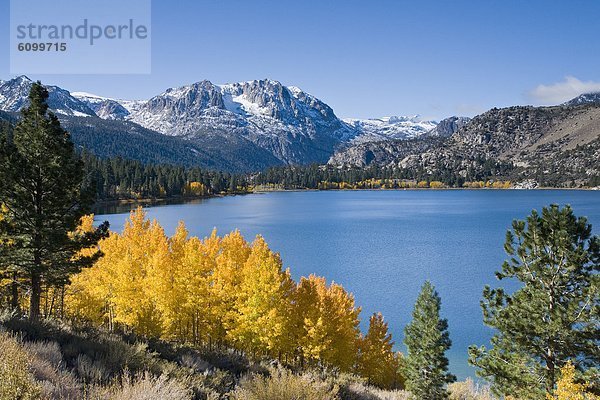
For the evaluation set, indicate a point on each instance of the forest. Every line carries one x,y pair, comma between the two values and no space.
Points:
122,179
376,177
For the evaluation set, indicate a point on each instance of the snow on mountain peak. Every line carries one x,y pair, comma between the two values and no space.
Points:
291,124
391,127
14,95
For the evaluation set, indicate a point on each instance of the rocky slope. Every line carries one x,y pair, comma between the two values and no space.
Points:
14,96
448,126
257,123
555,144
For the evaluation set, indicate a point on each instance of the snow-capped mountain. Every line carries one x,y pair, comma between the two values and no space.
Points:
262,120
291,124
386,128
586,98
14,96
107,108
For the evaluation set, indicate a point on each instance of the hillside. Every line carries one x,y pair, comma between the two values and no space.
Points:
244,126
57,360
555,145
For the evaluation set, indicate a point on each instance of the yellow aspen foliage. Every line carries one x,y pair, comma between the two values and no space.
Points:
329,323
120,278
86,225
224,291
568,389
376,359
226,278
195,189
263,303
3,211
180,286
86,298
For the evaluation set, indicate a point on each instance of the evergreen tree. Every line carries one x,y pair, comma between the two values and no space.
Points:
427,340
45,194
553,317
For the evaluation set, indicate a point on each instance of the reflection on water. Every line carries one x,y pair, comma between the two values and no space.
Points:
124,207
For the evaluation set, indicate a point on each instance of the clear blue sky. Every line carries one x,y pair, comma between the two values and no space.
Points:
368,58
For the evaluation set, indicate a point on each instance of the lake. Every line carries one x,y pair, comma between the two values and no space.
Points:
382,245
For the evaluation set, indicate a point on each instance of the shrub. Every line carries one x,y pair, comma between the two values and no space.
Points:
143,387
16,380
284,385
469,390
357,391
49,370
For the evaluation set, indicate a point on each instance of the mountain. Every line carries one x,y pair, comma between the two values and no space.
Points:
586,98
252,125
558,145
14,96
447,127
106,108
260,121
292,125
248,125
386,128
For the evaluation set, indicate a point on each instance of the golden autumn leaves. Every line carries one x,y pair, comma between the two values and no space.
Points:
225,291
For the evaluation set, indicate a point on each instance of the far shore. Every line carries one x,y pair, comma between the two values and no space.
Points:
115,204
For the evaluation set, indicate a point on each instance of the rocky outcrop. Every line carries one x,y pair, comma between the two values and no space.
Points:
448,127
14,96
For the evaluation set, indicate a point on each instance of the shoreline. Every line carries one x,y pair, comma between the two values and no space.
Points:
417,189
102,206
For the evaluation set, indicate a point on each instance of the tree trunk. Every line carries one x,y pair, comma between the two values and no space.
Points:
14,293
36,293
550,353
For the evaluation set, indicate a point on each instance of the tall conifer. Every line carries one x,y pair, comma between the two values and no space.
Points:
427,340
44,193
553,317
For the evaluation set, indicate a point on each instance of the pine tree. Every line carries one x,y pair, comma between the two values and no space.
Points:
553,317
427,340
45,192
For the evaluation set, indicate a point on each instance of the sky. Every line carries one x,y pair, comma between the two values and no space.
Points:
367,59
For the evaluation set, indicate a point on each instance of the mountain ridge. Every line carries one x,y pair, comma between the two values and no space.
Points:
557,144
252,125
275,124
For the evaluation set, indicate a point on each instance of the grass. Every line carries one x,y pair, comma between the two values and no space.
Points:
54,360
469,390
16,379
282,384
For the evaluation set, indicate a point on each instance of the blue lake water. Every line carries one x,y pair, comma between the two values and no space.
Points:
382,245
